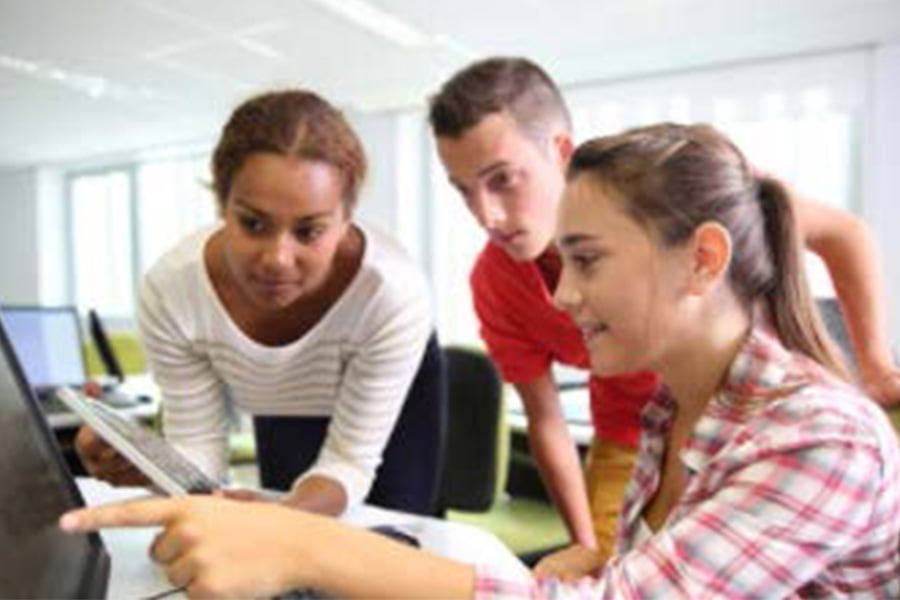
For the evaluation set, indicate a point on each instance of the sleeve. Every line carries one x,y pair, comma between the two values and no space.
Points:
194,413
775,523
372,392
514,351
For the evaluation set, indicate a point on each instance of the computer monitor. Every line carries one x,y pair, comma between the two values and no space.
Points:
38,559
48,343
104,348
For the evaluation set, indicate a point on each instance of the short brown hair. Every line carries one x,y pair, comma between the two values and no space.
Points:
293,123
515,85
672,178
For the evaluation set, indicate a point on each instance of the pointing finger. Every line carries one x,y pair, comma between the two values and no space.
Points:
143,513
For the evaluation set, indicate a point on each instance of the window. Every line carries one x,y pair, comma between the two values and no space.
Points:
123,219
173,199
101,235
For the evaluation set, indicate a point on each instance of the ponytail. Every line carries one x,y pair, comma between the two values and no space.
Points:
787,296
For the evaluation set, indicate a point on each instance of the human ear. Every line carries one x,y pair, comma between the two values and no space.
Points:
563,147
710,256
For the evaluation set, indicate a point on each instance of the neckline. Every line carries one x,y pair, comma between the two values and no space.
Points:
236,331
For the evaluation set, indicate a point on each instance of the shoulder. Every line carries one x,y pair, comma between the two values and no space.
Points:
176,282
181,264
388,274
828,415
826,407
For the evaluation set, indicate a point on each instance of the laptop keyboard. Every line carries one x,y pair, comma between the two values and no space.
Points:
158,450
50,404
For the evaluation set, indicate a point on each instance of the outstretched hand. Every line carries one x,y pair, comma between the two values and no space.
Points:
214,547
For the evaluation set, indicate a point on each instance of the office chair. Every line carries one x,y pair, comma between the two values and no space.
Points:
408,477
469,476
477,454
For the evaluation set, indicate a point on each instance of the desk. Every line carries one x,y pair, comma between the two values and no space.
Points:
134,575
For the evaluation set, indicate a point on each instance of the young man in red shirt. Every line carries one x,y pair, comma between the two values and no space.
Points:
504,136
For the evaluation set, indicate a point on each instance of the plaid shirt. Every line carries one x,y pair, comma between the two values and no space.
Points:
792,491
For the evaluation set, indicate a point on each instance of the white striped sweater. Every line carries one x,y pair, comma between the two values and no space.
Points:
355,365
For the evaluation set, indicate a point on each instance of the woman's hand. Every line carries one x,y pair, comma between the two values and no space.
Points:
103,461
214,547
571,563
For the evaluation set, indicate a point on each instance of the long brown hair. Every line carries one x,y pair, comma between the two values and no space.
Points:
672,178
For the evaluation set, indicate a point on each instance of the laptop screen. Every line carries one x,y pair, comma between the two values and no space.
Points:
39,560
48,343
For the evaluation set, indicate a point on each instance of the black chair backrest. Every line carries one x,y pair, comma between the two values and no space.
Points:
469,477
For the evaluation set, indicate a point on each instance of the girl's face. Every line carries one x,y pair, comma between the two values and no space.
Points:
284,220
620,286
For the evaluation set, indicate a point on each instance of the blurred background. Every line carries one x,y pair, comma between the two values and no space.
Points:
108,109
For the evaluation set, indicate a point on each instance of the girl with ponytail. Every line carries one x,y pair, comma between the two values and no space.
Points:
762,473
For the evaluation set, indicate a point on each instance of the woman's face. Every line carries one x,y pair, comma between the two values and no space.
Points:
284,219
618,284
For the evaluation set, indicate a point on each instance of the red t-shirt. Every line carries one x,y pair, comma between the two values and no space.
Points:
525,334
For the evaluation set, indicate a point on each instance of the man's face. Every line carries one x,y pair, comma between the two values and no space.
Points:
510,183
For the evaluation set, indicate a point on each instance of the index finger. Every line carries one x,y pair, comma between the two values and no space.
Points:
138,513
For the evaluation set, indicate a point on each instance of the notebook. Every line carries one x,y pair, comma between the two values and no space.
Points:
39,560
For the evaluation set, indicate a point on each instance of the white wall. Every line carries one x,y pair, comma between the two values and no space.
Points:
32,246
392,195
881,171
52,259
19,251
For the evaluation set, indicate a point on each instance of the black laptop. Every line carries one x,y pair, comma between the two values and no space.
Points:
38,559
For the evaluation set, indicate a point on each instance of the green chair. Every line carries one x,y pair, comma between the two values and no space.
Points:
127,348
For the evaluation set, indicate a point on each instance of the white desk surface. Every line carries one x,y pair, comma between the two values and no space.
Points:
134,575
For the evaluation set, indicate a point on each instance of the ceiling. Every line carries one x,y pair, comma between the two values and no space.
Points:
93,78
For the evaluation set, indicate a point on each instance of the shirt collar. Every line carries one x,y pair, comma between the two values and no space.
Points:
763,371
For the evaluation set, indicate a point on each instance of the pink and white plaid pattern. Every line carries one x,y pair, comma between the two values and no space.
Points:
792,492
